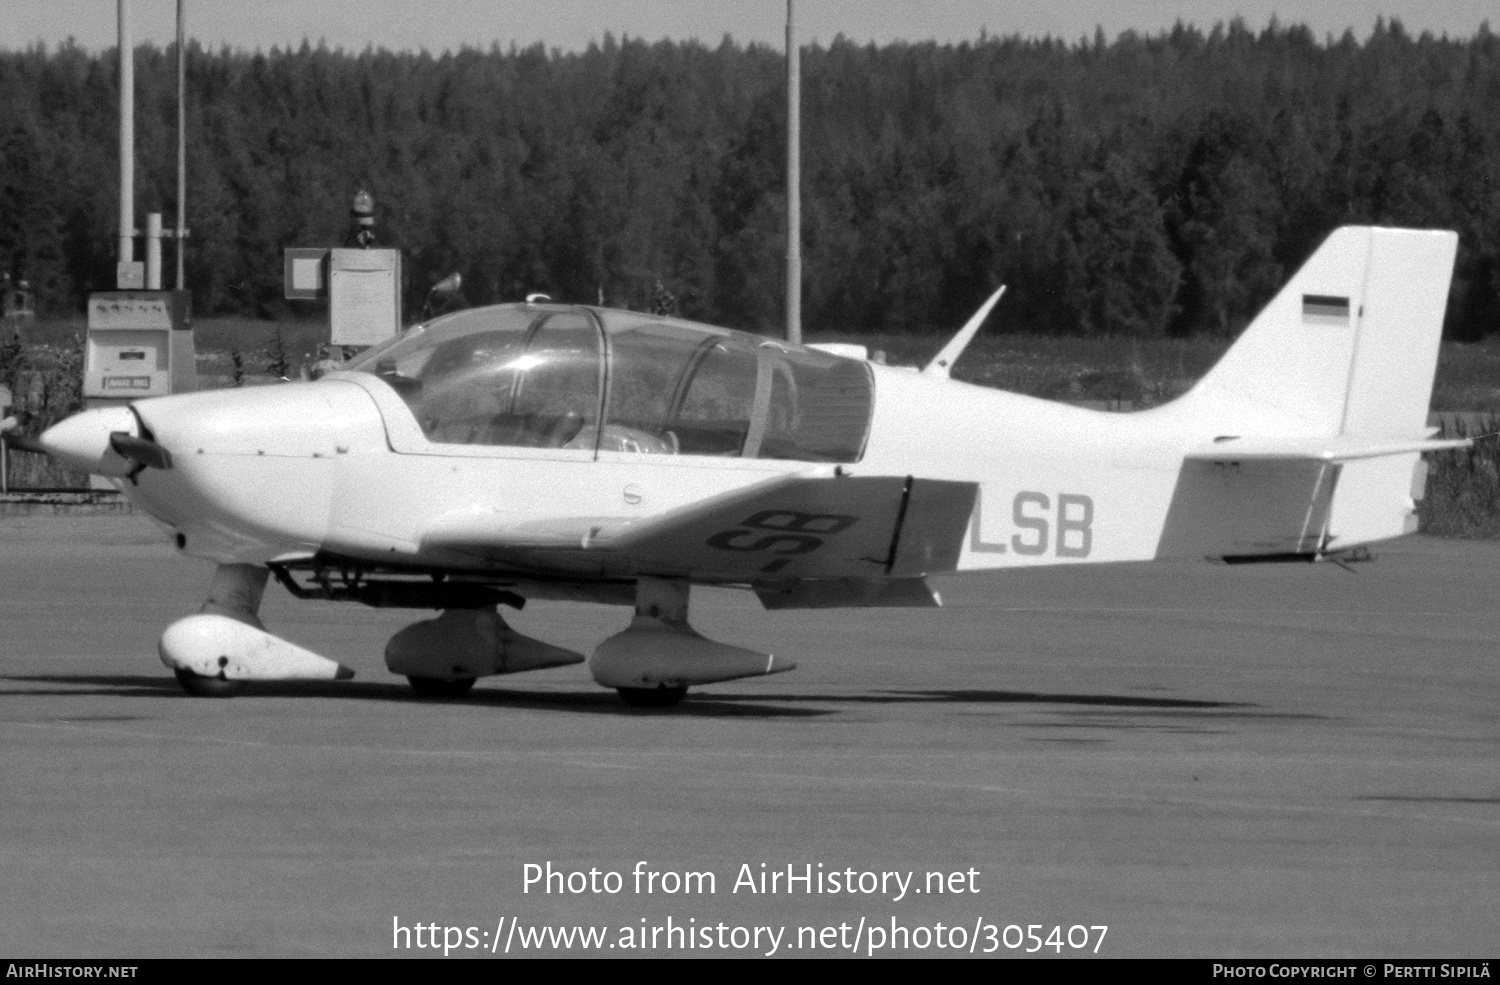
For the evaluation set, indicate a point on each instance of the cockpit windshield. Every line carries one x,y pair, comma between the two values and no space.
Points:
587,379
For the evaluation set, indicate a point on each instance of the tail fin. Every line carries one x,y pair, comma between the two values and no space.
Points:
1349,346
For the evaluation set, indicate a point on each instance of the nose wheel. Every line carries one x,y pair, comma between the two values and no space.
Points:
214,652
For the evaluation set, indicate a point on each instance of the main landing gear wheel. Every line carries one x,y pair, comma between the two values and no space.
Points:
207,687
437,687
652,697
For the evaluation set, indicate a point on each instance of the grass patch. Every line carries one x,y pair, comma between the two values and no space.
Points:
45,377
1468,377
1463,486
259,347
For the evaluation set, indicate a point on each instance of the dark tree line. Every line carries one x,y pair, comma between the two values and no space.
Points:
1160,185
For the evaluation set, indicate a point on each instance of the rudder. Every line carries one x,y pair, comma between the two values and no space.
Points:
1400,325
1390,382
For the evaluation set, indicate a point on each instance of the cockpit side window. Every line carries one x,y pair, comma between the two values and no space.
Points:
680,388
556,397
647,362
499,376
466,385
713,411
820,408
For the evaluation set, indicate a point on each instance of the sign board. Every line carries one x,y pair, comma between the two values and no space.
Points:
306,273
140,309
364,295
130,275
140,344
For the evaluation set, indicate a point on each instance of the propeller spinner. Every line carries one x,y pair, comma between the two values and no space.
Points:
103,441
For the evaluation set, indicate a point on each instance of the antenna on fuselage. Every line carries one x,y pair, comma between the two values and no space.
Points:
942,363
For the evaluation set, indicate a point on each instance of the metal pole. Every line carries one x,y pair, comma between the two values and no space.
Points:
153,251
181,236
793,180
127,137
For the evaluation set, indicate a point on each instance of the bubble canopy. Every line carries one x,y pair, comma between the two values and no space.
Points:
590,379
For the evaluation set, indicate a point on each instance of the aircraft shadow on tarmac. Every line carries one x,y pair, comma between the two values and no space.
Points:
1395,799
597,701
1094,711
1084,710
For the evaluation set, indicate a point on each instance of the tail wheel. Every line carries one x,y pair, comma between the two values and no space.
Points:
438,687
208,687
652,697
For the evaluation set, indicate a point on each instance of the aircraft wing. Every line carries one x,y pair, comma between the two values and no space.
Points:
781,529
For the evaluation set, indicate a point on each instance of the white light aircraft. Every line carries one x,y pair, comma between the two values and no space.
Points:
555,451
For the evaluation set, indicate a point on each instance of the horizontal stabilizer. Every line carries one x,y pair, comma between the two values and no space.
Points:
1330,449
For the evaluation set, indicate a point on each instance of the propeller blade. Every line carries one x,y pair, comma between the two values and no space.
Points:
25,442
145,453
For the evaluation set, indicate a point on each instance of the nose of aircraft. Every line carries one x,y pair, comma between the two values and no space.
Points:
83,440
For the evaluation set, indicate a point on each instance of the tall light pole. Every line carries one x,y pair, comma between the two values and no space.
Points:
127,143
181,231
793,180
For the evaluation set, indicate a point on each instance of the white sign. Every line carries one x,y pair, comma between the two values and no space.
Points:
130,275
364,294
303,273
